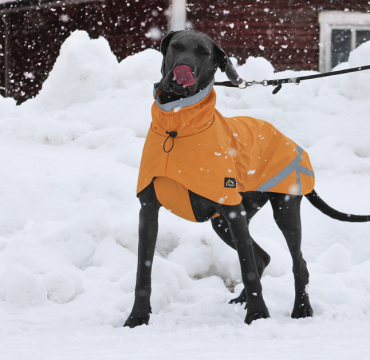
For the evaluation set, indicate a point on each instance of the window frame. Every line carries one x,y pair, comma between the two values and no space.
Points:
338,20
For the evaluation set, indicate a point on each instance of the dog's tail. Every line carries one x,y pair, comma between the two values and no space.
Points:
318,203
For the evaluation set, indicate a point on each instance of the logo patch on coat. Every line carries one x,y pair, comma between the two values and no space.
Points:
230,182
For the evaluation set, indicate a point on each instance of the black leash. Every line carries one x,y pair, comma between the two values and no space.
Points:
278,82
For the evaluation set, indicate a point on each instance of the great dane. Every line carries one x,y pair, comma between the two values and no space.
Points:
197,52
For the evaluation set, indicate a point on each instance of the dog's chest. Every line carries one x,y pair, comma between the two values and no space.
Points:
174,197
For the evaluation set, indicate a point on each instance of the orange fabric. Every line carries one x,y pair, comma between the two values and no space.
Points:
174,197
209,148
261,152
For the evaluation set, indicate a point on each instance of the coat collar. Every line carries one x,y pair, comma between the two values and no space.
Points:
192,100
185,119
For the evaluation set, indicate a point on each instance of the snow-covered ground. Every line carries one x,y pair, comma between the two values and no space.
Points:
69,161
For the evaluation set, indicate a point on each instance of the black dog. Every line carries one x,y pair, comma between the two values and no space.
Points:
198,52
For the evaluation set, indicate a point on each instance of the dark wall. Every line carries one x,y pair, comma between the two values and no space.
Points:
36,35
286,32
2,82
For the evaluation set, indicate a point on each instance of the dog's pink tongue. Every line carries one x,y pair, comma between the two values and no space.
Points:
183,76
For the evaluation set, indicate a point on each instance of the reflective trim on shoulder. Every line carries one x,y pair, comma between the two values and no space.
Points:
294,165
306,171
192,100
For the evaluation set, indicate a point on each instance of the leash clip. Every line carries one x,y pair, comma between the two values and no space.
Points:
245,84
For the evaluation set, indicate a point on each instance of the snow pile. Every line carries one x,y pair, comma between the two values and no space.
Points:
69,217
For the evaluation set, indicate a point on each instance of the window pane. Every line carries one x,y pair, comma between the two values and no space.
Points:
362,36
340,46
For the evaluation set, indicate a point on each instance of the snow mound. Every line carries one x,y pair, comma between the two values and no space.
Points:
20,287
60,287
335,259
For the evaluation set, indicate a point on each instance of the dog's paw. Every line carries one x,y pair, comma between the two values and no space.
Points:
241,299
256,311
302,307
302,310
137,320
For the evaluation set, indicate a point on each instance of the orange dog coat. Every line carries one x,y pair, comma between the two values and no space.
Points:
217,157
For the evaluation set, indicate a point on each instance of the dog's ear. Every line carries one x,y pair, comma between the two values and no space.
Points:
165,41
164,46
225,65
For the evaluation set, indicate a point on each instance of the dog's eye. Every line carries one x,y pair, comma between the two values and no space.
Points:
175,46
203,51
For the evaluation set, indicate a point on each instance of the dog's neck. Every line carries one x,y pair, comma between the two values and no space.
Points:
169,96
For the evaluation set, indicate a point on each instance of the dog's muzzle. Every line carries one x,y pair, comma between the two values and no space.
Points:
183,75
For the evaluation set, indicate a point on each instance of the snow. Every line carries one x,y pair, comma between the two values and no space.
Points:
69,216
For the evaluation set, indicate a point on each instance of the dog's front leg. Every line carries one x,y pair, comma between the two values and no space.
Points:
148,229
256,307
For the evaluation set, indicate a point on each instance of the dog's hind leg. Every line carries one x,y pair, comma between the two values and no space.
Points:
252,203
286,210
148,229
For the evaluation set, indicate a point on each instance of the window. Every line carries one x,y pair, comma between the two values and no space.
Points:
340,33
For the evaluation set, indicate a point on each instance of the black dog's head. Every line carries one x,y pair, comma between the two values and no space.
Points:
190,60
